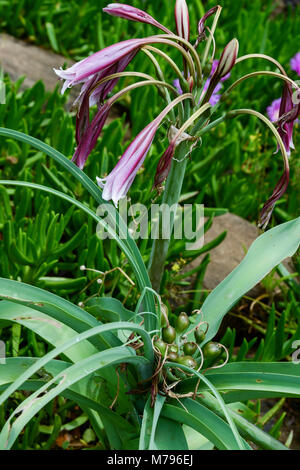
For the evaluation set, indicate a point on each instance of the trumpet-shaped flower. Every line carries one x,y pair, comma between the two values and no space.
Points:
117,183
116,55
273,110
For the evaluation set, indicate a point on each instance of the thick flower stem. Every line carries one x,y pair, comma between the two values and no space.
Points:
171,197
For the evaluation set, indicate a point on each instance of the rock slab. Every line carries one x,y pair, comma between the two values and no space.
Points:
228,255
18,58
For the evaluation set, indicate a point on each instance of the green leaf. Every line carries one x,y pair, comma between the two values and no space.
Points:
169,435
203,379
109,309
204,421
53,331
132,251
281,378
145,365
150,422
117,428
265,253
247,429
56,386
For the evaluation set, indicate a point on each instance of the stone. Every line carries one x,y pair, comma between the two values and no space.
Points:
18,58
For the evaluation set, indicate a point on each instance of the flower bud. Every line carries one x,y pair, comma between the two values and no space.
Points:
227,60
190,81
182,19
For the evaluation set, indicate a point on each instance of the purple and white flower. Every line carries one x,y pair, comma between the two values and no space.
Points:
273,110
117,183
295,63
134,14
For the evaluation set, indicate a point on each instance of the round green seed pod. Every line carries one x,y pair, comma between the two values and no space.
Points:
199,335
188,361
189,348
169,334
161,346
212,350
182,322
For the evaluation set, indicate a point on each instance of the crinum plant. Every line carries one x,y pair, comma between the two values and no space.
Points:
193,107
164,376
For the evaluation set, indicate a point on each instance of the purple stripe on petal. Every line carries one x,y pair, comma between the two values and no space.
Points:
182,19
134,14
90,135
164,165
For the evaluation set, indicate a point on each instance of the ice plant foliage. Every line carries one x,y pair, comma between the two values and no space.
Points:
200,105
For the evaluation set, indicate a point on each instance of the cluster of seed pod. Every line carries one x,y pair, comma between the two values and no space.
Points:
174,346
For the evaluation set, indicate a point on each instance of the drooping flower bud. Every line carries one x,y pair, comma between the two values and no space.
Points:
201,24
182,19
190,81
227,60
129,12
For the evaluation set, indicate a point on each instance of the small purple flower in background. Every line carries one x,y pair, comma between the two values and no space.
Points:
215,98
273,110
214,68
295,63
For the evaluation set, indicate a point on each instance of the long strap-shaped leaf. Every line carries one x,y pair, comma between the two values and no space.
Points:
204,421
281,378
247,429
54,306
211,387
61,382
147,364
149,423
269,250
118,429
52,331
135,257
